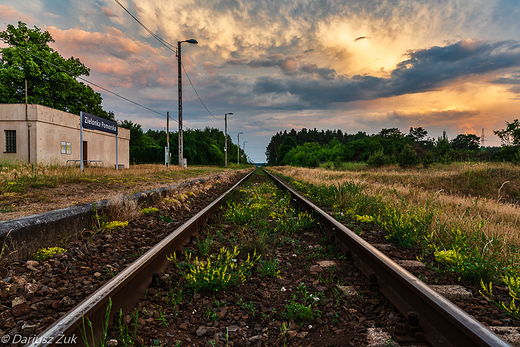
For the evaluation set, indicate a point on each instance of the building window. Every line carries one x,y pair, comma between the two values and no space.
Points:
10,141
65,147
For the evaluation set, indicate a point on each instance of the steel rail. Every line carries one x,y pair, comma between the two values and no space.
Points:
444,324
126,288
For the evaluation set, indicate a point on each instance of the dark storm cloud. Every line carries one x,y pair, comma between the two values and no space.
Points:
424,70
290,66
513,81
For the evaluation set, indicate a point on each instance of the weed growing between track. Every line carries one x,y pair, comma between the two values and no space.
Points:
284,299
456,237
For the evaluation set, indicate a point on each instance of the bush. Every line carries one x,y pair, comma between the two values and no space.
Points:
378,159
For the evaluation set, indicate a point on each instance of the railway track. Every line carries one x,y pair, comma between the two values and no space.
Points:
431,319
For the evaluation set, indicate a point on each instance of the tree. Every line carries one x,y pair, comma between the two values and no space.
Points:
466,142
51,79
378,159
287,144
510,136
407,157
417,134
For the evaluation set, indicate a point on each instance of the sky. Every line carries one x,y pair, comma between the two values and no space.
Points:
354,65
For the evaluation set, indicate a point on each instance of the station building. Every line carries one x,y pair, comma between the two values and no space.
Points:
36,134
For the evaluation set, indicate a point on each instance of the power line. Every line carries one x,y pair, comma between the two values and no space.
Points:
94,84
195,90
165,43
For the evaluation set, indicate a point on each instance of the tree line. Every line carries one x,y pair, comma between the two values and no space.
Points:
309,148
201,147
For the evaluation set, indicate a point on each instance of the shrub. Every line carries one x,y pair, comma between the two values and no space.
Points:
269,268
378,159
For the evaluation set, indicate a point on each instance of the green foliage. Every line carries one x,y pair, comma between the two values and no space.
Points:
205,245
126,335
513,284
104,327
407,157
45,253
287,144
217,273
47,84
148,210
378,159
269,268
114,225
300,313
472,256
201,147
466,142
332,149
510,136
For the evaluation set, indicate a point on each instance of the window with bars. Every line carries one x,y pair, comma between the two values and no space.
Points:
10,141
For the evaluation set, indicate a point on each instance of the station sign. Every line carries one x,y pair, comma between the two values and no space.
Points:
89,121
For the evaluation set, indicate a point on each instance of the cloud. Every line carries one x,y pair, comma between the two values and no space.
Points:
108,12
116,59
513,80
288,65
424,70
11,15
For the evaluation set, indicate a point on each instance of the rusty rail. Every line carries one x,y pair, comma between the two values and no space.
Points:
431,318
126,288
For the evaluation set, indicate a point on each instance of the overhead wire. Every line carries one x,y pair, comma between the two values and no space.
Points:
157,37
195,90
94,84
167,45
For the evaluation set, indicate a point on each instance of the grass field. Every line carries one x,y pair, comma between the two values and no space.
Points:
19,178
29,189
466,214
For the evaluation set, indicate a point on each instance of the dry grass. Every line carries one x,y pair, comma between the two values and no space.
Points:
499,218
484,180
19,178
26,189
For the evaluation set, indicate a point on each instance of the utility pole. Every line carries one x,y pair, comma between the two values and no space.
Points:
238,151
244,151
179,84
167,154
225,139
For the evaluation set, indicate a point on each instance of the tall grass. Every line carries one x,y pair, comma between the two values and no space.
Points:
482,232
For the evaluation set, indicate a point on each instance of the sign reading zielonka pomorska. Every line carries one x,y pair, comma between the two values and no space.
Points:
97,123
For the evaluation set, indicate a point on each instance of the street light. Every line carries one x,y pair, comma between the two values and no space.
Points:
245,151
225,139
181,135
238,145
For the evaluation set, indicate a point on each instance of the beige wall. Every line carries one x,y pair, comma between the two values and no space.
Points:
49,127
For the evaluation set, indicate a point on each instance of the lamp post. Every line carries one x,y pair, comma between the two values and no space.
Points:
238,151
245,151
181,135
225,138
